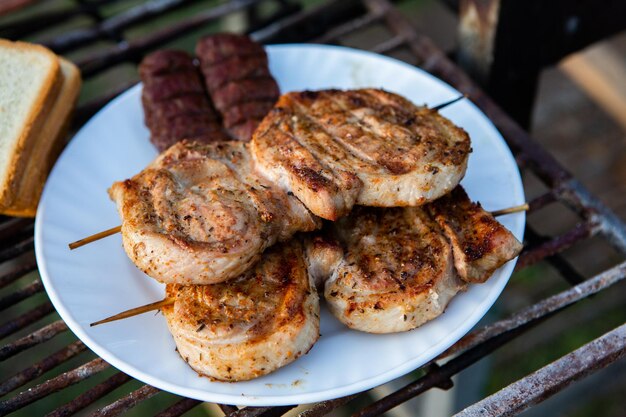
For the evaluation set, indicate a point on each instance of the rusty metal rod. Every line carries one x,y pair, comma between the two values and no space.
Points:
179,408
346,28
52,385
103,59
552,378
261,411
390,45
544,307
33,339
21,294
13,225
127,402
23,246
113,25
324,407
25,319
554,246
90,396
41,367
17,272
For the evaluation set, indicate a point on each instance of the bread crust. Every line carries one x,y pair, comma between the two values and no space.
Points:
23,145
48,144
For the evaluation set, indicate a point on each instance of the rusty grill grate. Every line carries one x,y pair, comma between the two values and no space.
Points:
107,38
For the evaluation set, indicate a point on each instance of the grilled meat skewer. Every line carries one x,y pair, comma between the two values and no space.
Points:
394,269
334,149
201,214
251,325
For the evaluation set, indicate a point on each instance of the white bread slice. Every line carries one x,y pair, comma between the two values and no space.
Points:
47,145
30,79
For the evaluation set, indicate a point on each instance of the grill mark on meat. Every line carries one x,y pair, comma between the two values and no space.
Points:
240,91
175,102
214,49
234,69
254,109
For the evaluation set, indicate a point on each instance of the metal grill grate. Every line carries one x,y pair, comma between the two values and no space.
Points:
107,38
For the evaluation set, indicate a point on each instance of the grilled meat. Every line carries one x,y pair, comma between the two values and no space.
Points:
238,79
201,214
334,149
394,269
250,325
480,244
174,100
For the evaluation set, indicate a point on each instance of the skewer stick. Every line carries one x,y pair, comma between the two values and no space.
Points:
136,311
117,229
95,237
447,103
509,210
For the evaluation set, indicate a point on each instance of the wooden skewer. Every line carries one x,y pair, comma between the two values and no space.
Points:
95,237
169,301
117,229
136,311
509,210
447,103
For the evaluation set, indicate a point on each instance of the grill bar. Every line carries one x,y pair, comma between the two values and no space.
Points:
123,51
552,378
179,408
42,335
52,385
17,273
21,294
25,319
127,402
88,397
40,368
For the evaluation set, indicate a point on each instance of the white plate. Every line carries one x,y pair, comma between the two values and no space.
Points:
99,280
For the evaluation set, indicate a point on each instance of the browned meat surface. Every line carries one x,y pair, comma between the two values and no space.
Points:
389,270
251,325
175,103
334,149
238,79
479,242
396,272
201,214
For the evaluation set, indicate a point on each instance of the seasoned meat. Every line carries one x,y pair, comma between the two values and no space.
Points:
238,79
397,270
480,244
251,325
389,270
201,214
334,149
176,105
217,48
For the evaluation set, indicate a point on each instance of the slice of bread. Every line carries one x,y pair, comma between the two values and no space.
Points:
47,144
38,91
30,79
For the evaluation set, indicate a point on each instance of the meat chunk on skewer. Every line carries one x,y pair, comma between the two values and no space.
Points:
201,214
251,325
390,270
334,149
238,79
176,105
480,244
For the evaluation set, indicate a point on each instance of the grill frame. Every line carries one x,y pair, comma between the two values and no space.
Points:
328,22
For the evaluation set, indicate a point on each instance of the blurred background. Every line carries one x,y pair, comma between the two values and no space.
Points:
578,113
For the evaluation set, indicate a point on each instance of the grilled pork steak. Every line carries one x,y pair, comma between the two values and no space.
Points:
394,269
334,149
201,214
251,325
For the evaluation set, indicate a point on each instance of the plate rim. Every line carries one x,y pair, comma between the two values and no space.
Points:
296,397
